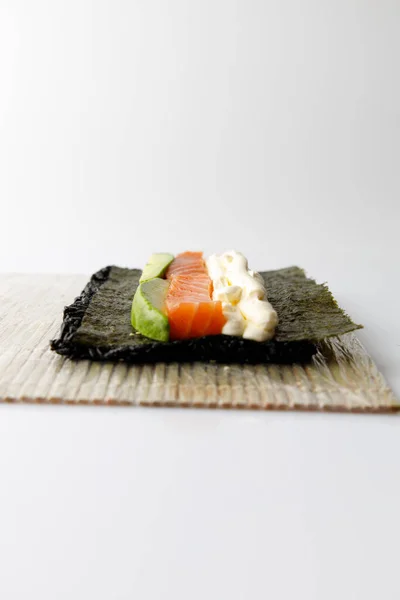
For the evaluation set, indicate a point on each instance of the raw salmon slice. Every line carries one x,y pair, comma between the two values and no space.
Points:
187,263
190,308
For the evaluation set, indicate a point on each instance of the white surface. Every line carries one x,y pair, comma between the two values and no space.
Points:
150,504
206,124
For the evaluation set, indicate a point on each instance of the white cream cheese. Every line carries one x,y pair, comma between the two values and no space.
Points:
243,295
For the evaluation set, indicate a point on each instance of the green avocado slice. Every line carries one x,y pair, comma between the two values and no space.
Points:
156,266
148,314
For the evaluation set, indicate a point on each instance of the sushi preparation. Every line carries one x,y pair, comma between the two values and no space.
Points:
188,297
194,308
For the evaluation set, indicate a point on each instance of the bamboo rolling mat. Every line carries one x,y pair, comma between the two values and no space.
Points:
342,377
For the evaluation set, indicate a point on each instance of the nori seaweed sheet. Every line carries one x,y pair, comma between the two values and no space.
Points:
97,325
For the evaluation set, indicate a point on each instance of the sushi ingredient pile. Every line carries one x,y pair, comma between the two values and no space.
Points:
187,297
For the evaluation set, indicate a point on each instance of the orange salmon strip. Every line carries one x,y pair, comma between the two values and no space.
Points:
191,310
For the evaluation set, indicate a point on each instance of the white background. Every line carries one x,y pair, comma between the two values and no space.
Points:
273,127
